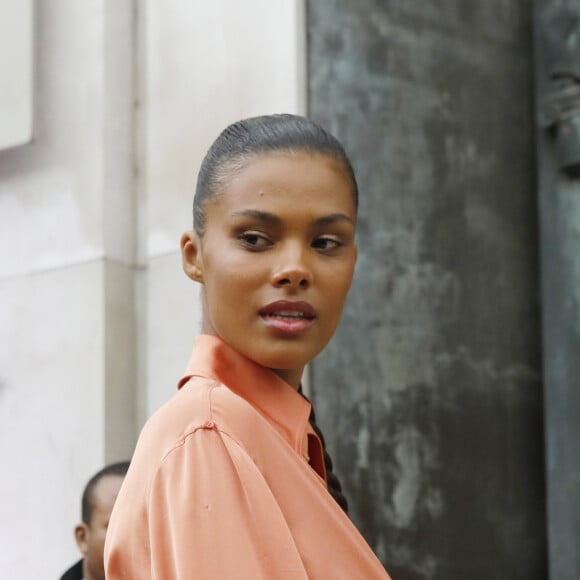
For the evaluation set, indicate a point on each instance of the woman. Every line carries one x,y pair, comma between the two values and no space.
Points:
229,479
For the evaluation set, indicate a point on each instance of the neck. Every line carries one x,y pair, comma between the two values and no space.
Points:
292,376
87,574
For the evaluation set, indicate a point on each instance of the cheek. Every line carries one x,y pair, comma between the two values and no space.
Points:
339,280
95,544
100,543
230,274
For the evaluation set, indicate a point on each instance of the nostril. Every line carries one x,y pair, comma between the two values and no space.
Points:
294,279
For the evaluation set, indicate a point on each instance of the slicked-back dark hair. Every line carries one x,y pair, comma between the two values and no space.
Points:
244,140
87,502
332,482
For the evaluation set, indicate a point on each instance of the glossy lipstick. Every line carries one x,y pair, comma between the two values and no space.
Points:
288,317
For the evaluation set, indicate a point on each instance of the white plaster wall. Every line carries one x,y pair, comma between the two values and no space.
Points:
65,277
206,64
96,317
17,41
51,413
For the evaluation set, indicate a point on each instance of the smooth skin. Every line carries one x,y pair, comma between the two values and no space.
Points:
281,228
91,537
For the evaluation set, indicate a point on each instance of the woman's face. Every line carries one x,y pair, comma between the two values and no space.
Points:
277,258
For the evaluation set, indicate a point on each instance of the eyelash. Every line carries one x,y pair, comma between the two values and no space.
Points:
251,240
334,243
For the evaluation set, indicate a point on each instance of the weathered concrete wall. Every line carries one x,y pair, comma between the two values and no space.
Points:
559,201
430,395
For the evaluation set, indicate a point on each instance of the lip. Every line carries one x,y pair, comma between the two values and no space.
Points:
288,317
293,306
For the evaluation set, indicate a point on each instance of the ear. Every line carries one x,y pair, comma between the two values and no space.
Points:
191,256
81,536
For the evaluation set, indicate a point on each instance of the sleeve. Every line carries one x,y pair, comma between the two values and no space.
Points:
211,514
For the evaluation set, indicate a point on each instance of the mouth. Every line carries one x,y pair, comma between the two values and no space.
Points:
288,317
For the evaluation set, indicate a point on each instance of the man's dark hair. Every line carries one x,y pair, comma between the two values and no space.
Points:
87,503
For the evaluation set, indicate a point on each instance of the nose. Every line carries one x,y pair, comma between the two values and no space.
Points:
293,270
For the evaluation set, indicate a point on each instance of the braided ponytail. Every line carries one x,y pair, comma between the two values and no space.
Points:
333,483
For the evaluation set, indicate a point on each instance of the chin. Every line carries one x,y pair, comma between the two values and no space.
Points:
286,358
281,363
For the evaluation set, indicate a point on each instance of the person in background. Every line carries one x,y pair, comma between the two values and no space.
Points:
97,503
230,479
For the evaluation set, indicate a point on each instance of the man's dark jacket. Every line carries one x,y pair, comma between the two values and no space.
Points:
74,573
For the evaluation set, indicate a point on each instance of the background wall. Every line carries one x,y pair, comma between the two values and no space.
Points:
96,317
205,65
66,259
431,391
558,170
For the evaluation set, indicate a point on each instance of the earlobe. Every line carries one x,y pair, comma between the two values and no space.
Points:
191,256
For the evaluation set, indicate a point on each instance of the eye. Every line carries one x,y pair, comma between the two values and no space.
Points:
326,243
254,240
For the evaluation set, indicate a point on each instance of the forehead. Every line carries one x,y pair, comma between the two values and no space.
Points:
304,178
105,492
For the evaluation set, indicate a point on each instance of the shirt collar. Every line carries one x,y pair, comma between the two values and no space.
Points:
285,408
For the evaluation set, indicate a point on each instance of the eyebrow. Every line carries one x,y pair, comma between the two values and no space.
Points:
275,220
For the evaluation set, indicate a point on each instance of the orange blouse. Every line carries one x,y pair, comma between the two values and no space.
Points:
228,482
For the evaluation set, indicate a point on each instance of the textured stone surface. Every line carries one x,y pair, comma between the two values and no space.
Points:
430,393
559,199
